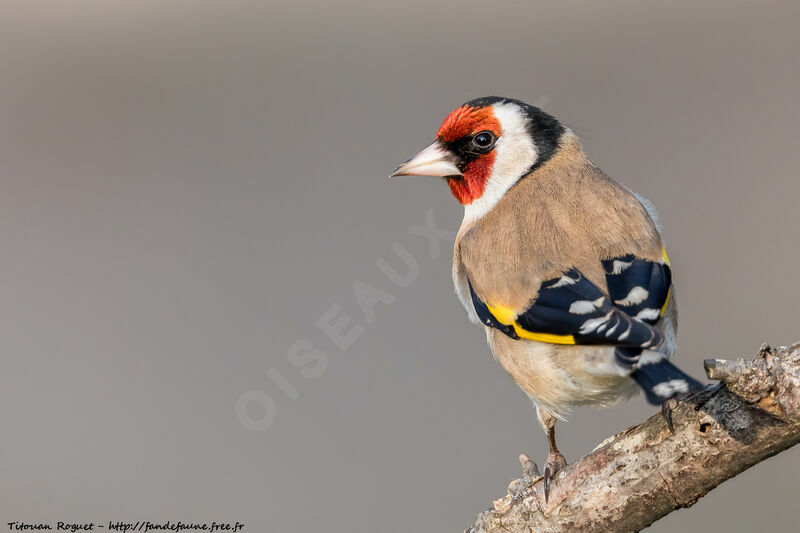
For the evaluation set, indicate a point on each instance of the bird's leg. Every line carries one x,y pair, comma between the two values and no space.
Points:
555,460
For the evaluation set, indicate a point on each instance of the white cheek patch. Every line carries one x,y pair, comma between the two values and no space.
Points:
515,153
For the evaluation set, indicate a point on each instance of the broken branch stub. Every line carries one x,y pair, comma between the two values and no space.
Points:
645,472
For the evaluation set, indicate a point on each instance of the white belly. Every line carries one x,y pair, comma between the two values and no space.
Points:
559,377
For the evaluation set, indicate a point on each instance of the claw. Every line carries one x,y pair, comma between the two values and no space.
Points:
548,474
555,463
666,411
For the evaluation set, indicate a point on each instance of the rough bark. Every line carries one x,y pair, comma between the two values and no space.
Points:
634,478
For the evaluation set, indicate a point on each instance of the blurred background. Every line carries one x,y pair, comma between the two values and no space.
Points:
190,190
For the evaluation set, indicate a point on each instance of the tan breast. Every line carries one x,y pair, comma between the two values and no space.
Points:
566,214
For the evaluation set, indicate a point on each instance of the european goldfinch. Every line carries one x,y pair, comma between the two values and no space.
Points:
564,267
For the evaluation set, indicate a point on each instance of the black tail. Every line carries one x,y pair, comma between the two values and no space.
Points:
662,380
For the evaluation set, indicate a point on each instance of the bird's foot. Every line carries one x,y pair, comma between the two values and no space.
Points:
555,463
670,404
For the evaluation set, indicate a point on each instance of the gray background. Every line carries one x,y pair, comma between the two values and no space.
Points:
187,186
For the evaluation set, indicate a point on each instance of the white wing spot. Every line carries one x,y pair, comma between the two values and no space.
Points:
620,266
563,282
593,323
581,307
636,296
584,307
648,314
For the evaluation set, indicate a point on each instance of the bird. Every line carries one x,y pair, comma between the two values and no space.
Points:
564,267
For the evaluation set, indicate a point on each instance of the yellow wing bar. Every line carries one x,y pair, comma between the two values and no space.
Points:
508,317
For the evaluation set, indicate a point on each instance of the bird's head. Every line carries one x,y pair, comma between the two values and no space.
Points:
485,146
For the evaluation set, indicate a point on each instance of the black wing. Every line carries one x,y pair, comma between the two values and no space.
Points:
638,287
571,310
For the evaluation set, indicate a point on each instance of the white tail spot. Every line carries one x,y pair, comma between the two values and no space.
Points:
671,387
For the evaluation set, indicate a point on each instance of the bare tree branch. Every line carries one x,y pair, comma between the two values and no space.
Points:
636,477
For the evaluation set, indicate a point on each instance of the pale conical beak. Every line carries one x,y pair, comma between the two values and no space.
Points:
435,160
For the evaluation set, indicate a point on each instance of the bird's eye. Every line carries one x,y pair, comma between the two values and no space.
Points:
484,139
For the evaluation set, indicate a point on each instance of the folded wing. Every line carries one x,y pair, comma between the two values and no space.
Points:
571,309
